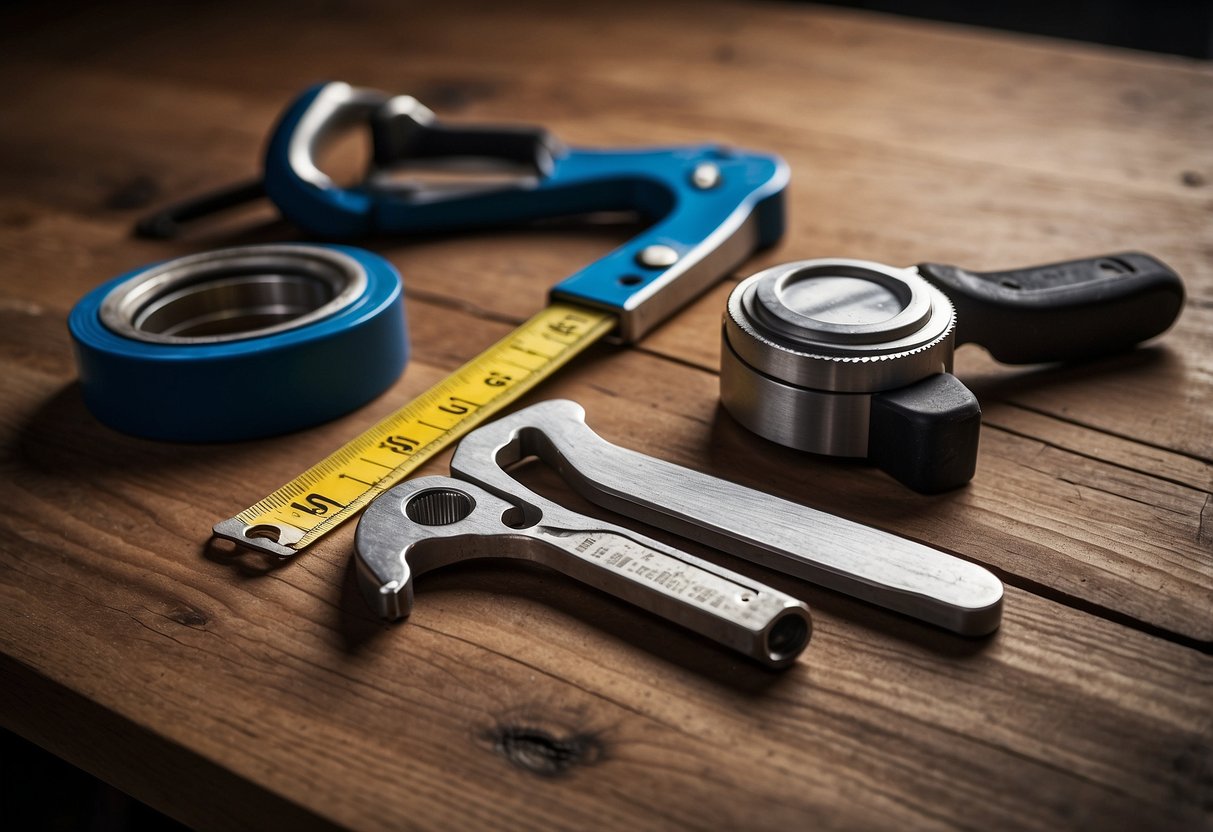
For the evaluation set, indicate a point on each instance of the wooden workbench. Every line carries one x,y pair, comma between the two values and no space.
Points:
514,698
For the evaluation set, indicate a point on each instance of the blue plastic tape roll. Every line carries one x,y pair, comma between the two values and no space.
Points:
240,343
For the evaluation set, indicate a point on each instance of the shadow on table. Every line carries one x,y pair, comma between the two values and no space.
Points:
1002,382
535,598
63,437
544,481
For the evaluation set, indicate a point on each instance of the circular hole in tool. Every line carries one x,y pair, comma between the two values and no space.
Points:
516,518
631,280
233,302
264,531
233,294
787,637
439,507
840,299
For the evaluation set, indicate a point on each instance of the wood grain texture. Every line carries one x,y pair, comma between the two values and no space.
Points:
232,696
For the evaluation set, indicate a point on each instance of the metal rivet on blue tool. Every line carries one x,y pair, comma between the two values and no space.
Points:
240,343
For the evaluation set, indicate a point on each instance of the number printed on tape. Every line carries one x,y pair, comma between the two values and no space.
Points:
340,485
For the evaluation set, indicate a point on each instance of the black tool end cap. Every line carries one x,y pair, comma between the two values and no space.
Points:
925,435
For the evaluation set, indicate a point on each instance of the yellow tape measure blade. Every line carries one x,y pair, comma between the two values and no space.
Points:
343,483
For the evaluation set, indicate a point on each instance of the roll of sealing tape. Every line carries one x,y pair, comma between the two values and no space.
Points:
240,343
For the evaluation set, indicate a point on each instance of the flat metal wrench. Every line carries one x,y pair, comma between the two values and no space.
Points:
858,560
429,522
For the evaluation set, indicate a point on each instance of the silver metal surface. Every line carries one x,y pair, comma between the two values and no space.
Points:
806,344
657,257
698,269
395,124
845,326
232,294
338,107
797,417
858,560
705,176
403,118
274,539
430,522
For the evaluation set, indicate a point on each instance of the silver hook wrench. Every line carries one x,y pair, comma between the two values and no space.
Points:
866,563
430,522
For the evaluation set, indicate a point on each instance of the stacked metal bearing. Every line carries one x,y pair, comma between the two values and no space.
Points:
808,344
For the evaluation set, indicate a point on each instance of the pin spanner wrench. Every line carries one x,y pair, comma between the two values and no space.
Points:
858,560
429,522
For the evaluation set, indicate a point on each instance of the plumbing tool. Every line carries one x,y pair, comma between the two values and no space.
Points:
858,560
429,522
853,358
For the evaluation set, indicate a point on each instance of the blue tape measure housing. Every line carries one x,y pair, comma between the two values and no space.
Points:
244,389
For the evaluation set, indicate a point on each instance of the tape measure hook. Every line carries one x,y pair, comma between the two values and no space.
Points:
273,538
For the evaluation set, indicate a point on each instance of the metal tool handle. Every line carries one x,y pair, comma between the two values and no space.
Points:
1062,311
754,619
861,561
433,521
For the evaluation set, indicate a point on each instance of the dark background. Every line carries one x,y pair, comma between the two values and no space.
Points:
1177,27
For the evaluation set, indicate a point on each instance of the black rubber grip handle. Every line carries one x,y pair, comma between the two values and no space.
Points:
1062,311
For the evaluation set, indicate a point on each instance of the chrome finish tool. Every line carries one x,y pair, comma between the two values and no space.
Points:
240,343
430,522
863,562
853,358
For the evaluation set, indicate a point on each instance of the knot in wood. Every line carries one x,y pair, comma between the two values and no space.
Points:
541,752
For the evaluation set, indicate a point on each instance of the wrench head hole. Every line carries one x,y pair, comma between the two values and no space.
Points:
439,506
516,518
787,637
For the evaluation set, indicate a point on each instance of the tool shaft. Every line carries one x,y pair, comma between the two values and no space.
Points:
433,521
669,583
861,561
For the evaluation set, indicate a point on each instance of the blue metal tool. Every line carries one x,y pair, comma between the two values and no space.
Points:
706,207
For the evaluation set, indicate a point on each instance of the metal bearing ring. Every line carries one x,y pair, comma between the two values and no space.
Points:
807,344
240,343
853,358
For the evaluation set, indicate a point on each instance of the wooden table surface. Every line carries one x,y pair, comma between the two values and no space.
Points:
231,697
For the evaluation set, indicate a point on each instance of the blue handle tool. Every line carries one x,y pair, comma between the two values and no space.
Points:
706,207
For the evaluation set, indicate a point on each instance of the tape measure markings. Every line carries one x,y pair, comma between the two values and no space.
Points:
339,486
